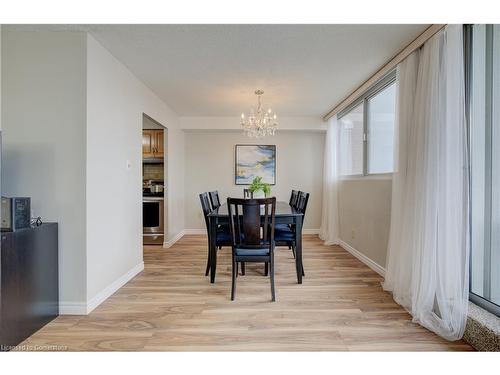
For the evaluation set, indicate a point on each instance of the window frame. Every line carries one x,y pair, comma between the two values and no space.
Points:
468,58
375,89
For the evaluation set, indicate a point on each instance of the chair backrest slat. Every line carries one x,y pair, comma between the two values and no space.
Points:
247,223
237,228
205,206
214,199
251,224
293,198
302,202
266,219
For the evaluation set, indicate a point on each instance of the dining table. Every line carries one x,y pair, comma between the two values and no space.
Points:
284,214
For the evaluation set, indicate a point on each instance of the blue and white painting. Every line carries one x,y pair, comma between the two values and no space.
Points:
255,161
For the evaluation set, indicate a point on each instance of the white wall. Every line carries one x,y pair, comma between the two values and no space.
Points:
72,119
43,156
365,215
210,166
116,101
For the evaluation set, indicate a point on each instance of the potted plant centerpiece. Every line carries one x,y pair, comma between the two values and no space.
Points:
257,186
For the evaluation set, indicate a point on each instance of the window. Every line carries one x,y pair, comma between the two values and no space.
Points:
351,142
484,114
367,131
381,118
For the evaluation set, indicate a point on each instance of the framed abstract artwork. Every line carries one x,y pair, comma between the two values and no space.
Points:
255,161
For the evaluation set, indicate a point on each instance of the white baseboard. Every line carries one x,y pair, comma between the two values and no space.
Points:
173,240
72,308
113,287
77,308
195,231
310,231
362,257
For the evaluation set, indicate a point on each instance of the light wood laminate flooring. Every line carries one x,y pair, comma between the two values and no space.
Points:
171,306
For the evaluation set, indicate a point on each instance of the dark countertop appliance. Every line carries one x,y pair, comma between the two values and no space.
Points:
16,213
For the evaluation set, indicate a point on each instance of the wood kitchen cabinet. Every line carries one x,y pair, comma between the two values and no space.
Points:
159,144
147,144
152,144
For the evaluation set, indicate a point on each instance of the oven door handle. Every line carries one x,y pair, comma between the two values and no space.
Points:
152,199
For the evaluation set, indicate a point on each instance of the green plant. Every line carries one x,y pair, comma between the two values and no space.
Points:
258,185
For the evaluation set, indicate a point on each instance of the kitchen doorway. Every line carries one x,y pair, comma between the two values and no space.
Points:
154,181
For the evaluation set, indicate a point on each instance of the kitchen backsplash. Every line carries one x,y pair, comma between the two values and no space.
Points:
152,171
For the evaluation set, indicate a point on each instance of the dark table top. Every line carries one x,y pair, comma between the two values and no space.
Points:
282,209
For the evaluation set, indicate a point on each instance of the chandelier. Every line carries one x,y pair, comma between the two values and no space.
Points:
259,122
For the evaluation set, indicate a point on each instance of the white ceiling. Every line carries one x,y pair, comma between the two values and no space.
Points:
213,70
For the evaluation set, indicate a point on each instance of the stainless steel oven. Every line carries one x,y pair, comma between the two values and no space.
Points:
152,219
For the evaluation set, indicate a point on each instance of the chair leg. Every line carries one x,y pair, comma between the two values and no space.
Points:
235,272
266,269
208,267
273,296
293,251
243,268
237,268
208,262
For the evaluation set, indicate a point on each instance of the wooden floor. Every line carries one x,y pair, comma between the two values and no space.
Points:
171,306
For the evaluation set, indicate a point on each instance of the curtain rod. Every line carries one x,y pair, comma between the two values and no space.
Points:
403,54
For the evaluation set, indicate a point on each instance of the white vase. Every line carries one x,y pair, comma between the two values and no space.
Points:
258,194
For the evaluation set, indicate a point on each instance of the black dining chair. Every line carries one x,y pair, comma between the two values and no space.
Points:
215,203
249,242
214,199
247,194
293,198
302,200
285,235
223,236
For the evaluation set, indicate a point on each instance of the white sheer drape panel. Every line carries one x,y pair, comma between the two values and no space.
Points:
329,231
399,267
427,266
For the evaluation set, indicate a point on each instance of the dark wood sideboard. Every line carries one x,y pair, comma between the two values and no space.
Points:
29,289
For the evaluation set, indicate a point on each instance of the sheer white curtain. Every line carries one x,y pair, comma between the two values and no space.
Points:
329,231
427,266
